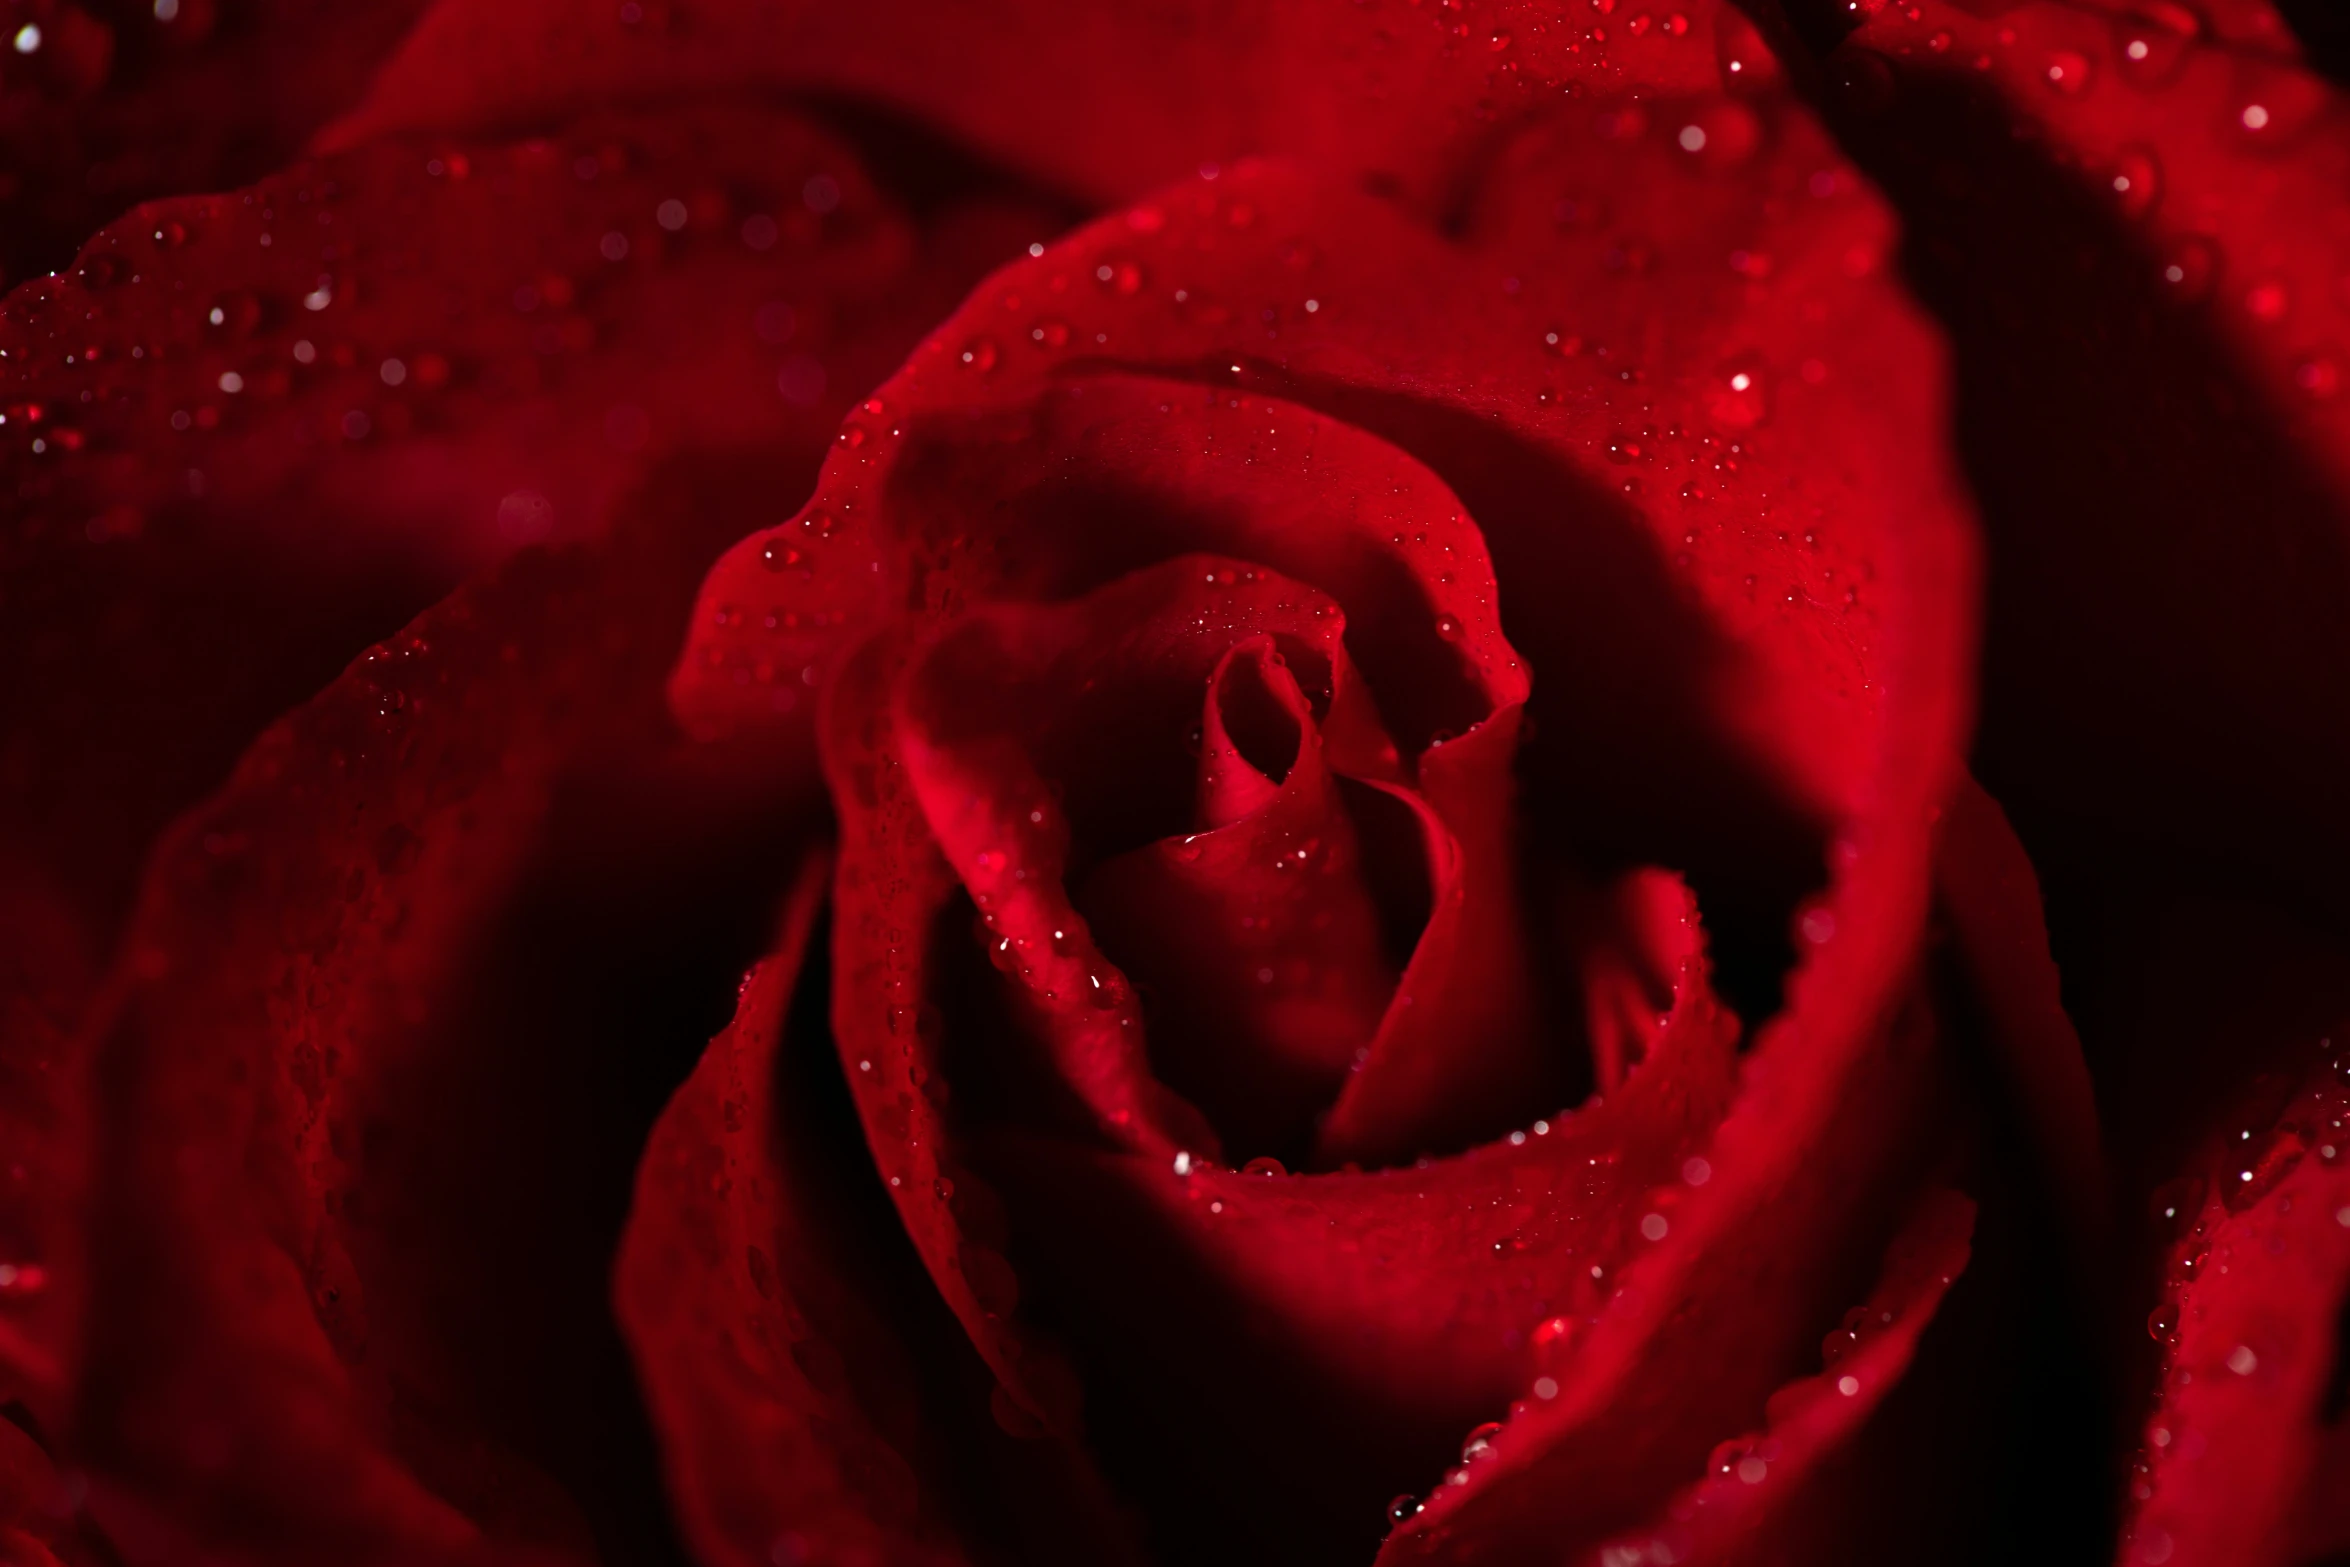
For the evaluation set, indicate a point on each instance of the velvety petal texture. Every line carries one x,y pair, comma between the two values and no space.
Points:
1106,104
1126,785
246,434
383,1001
2131,218
108,103
1035,697
2243,1457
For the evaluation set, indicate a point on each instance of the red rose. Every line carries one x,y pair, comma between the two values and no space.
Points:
1300,885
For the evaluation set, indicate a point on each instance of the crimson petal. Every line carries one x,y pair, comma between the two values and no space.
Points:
107,105
1108,103
798,1423
221,496
2243,1458
1769,1495
1258,936
1284,292
2130,218
392,999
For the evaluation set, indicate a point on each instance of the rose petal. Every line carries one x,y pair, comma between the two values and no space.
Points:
1986,883
1854,712
387,1033
889,891
538,380
1316,1258
1628,940
1087,686
173,585
1737,1276
797,1422
1344,1329
2133,228
1109,103
1762,1492
1257,939
1028,736
110,105
2242,1459
764,1434
172,589
1688,668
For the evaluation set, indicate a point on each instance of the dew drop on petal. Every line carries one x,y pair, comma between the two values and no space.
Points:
2188,269
2136,182
2068,72
1735,399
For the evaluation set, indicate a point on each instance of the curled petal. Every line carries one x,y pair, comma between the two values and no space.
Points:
1987,884
794,1374
1761,1493
890,891
1106,103
2243,1459
377,1054
1258,937
110,106
2130,217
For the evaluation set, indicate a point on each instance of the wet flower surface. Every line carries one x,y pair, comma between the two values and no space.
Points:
1383,782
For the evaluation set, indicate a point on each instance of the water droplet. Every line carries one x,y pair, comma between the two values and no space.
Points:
2275,106
2190,268
2136,182
979,354
1480,1441
2163,1321
1402,1508
776,555
1448,626
2152,43
2242,1361
2068,72
1264,1165
1745,61
1736,397
102,270
1721,137
238,313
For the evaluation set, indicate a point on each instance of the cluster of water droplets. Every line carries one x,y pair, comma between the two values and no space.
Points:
2208,1220
2152,51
